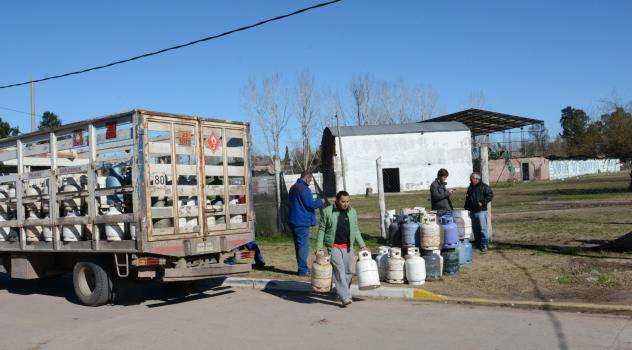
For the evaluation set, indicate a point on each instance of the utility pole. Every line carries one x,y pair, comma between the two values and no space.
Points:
33,126
485,178
342,159
380,192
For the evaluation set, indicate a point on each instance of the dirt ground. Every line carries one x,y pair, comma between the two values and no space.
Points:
541,234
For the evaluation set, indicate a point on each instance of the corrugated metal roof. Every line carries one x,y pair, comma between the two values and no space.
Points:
399,128
482,122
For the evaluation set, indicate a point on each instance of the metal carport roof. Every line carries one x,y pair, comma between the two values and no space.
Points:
482,122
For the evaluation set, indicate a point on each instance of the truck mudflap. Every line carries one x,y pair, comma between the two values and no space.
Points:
193,273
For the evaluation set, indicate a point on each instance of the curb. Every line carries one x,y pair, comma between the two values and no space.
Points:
424,295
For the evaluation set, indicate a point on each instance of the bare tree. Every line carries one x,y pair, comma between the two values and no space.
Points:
425,101
268,102
384,105
540,135
477,100
360,87
307,101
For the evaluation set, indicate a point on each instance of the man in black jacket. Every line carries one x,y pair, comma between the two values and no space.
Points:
476,199
440,195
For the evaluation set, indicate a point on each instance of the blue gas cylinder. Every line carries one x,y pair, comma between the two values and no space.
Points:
433,264
450,232
409,231
460,251
467,247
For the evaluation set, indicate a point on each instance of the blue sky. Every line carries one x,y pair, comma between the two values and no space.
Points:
529,58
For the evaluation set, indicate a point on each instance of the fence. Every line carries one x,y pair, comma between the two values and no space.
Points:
561,169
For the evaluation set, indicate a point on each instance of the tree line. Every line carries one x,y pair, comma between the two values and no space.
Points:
47,121
607,136
302,108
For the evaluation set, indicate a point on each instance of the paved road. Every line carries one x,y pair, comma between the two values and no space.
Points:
44,315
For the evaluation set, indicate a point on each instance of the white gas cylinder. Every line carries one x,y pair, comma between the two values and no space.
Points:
463,223
33,233
71,233
395,273
6,233
114,231
415,268
382,262
366,268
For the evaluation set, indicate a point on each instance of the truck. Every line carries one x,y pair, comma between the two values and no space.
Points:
137,195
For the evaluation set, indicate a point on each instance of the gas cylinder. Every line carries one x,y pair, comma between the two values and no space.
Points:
163,222
321,274
382,262
33,233
366,268
450,232
71,186
463,223
47,233
467,247
394,236
460,252
450,261
114,231
409,232
415,268
434,264
395,273
430,234
71,233
113,180
6,233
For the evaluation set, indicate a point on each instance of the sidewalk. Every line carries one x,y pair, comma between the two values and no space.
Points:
419,294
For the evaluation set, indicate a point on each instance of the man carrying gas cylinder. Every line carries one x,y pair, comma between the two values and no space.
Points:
338,231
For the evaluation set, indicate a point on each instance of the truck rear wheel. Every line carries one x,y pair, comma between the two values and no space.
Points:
93,284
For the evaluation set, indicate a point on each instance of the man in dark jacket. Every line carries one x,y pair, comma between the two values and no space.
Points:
302,215
476,199
440,195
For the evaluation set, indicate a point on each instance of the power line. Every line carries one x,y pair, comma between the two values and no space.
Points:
14,110
323,4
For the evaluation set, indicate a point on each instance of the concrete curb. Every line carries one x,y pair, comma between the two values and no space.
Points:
424,295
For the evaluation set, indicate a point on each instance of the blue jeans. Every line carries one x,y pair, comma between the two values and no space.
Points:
252,245
301,247
479,226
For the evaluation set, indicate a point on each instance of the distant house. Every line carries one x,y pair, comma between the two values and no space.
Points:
411,156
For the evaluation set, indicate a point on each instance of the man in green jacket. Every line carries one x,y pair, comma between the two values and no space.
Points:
338,231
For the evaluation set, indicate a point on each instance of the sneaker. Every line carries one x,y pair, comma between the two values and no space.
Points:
347,302
307,274
484,249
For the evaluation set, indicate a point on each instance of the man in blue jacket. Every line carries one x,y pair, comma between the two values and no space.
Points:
302,215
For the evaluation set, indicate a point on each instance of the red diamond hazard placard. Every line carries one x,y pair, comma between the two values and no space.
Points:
213,142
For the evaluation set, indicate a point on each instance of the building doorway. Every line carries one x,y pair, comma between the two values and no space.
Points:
391,179
525,171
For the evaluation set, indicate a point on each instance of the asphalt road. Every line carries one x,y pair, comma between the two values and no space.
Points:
45,315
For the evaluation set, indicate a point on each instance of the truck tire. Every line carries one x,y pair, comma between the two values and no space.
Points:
93,284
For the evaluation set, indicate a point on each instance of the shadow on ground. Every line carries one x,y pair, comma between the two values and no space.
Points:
127,293
600,246
557,325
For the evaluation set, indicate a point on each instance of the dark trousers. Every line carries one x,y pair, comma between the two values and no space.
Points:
301,247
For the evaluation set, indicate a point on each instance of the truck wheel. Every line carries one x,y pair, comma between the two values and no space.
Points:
93,285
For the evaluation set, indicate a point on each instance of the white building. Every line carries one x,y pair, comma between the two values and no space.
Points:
411,156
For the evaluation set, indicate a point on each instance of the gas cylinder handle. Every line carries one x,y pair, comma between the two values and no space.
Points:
365,254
